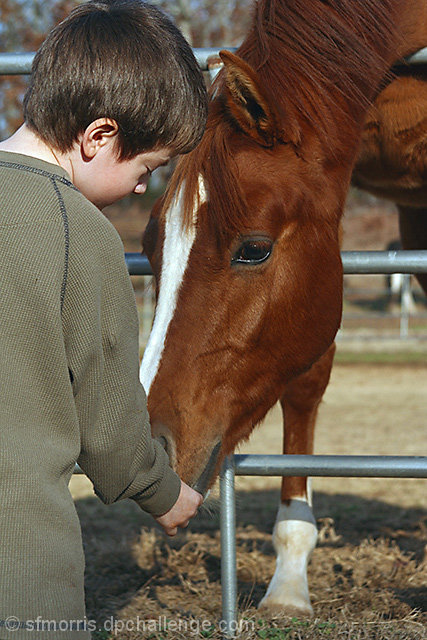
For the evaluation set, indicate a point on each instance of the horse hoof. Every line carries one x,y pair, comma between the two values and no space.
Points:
274,607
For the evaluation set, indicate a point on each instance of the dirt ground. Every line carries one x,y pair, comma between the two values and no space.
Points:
367,576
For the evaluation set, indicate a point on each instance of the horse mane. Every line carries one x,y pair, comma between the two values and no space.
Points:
315,51
325,60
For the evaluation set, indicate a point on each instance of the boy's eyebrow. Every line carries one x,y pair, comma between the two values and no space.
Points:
163,164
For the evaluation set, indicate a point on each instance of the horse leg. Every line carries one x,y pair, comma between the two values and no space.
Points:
295,532
413,231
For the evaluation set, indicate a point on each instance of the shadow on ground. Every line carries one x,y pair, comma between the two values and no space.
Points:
366,547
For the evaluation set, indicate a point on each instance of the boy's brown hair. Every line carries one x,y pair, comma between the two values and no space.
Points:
118,59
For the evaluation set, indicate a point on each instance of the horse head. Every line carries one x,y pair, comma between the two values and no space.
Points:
245,251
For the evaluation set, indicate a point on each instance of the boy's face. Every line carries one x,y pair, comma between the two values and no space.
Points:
110,179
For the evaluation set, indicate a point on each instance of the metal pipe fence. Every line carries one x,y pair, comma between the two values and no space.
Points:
354,262
394,306
20,63
291,465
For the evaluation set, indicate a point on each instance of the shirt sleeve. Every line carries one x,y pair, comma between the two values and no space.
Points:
101,332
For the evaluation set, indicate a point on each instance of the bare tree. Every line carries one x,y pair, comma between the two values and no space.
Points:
208,23
23,27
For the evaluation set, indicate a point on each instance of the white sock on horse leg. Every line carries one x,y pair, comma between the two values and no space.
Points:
294,538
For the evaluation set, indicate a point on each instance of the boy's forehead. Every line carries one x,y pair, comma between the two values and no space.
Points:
162,155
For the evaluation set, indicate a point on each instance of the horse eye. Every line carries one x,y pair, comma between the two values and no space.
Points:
252,252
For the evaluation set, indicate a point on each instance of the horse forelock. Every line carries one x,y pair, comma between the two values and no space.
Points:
208,181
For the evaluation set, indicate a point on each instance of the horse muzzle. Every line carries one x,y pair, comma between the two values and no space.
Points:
163,435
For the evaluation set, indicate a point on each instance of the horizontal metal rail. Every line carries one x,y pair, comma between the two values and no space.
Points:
327,466
384,261
418,58
353,262
331,466
15,64
20,63
138,265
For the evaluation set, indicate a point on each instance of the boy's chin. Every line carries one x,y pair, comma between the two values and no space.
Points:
101,204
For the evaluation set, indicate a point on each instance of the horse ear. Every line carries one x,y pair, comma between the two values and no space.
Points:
249,104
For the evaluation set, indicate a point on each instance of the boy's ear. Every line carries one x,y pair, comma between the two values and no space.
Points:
97,134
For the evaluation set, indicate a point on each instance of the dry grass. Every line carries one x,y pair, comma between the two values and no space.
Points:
367,576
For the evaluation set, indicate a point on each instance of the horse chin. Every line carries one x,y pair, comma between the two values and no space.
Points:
203,482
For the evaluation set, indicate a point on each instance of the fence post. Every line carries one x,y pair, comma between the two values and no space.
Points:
228,549
404,305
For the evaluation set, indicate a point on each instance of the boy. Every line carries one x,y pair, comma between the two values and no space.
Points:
115,93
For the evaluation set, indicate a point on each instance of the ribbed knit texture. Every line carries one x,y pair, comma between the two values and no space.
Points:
69,390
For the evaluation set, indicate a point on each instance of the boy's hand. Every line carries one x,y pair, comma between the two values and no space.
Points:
184,508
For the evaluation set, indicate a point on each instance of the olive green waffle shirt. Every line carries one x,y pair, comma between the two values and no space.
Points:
69,392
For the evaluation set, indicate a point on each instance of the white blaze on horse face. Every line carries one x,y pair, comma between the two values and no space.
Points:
294,538
176,251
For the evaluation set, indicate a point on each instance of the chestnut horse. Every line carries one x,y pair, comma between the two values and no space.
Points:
245,246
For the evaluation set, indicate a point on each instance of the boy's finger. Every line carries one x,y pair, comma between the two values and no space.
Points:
171,532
